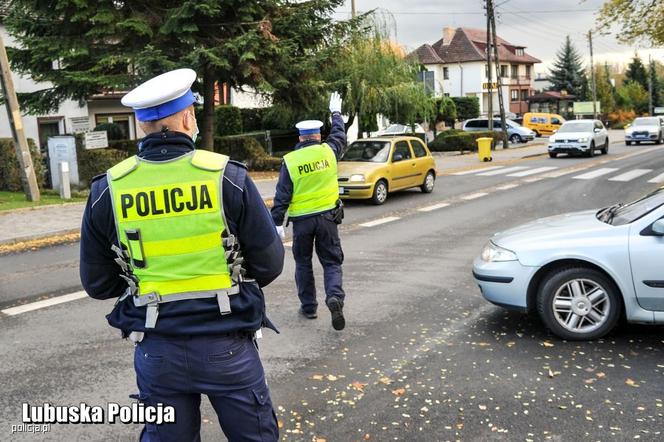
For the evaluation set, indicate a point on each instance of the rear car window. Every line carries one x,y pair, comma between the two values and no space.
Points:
418,148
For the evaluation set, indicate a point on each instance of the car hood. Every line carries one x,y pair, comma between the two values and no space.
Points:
571,135
653,128
555,232
347,168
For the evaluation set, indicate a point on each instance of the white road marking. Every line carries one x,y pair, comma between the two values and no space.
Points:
629,176
485,169
473,196
502,171
595,173
507,187
378,222
534,179
657,179
45,303
434,207
532,171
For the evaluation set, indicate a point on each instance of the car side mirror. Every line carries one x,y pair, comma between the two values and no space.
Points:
597,130
658,227
397,157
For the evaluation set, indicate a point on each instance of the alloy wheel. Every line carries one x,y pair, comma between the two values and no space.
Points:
581,306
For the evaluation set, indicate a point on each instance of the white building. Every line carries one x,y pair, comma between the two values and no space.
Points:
456,66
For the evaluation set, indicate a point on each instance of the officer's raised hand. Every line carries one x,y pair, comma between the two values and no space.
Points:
335,102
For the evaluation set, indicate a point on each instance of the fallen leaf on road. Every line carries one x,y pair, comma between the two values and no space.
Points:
600,375
399,392
320,439
317,377
553,374
589,381
385,380
359,386
547,344
367,436
280,424
631,383
331,377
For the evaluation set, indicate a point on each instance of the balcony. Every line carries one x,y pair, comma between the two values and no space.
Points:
520,80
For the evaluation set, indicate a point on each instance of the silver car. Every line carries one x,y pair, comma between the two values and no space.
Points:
645,129
581,271
579,137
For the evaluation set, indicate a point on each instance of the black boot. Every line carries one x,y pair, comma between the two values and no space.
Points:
308,315
336,307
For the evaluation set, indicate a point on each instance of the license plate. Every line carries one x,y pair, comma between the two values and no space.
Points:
565,146
640,136
342,190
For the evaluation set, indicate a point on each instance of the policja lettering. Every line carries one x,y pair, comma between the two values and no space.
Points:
313,166
167,201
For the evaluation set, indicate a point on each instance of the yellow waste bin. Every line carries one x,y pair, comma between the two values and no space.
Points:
484,148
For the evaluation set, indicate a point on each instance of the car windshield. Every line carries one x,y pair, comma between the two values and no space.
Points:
585,126
511,123
646,122
395,129
368,152
619,214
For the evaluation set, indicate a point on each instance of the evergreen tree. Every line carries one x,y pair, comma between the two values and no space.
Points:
105,45
567,73
636,71
657,85
604,89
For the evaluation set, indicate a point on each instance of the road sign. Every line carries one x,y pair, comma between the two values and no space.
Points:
585,107
96,140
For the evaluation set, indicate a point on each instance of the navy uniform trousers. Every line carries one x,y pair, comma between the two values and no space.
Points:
176,370
319,231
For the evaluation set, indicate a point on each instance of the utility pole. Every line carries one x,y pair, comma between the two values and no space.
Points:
651,68
28,177
353,13
499,88
592,74
489,87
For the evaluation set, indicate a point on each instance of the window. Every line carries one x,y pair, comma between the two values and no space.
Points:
446,73
503,70
598,125
519,51
514,95
524,94
402,149
124,121
482,124
555,120
515,71
428,78
528,67
418,148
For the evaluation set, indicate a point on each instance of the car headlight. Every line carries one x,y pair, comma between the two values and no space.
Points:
653,132
583,140
356,178
494,253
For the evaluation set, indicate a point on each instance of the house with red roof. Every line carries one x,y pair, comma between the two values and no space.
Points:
456,66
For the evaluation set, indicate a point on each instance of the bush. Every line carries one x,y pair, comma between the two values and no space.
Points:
252,119
467,107
113,131
248,150
461,141
10,175
97,161
228,120
620,118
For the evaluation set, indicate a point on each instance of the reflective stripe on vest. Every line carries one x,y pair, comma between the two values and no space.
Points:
169,215
313,170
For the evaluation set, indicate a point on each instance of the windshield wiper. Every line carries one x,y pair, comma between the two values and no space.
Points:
610,212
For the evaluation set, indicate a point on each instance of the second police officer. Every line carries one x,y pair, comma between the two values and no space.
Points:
308,191
196,244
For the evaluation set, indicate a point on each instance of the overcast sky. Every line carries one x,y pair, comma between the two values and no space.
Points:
540,26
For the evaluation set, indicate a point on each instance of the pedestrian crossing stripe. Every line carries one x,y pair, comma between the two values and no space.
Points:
502,171
658,179
532,171
595,173
629,176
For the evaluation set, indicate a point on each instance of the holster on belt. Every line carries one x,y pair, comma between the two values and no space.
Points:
338,212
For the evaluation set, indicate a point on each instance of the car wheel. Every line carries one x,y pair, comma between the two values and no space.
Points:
379,193
553,154
659,140
429,182
591,151
629,143
537,134
638,143
579,303
605,149
515,138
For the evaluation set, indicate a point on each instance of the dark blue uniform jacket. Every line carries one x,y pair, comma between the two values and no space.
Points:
247,218
282,198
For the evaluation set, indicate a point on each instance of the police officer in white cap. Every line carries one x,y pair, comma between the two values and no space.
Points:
309,192
183,239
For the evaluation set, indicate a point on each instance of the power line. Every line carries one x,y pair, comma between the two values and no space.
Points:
552,11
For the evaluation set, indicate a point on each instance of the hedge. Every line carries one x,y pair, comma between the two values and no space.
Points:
10,176
248,150
460,140
252,119
113,131
96,161
466,107
228,120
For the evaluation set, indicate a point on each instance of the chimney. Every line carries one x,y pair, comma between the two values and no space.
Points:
448,35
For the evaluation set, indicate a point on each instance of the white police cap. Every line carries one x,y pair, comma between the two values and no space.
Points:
163,95
309,127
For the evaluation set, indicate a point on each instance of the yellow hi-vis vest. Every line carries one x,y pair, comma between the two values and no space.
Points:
170,222
313,170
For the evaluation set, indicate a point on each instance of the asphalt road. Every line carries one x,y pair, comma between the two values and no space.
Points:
423,356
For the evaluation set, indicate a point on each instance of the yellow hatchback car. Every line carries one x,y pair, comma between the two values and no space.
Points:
373,167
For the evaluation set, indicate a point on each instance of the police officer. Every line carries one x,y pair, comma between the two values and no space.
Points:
308,190
183,239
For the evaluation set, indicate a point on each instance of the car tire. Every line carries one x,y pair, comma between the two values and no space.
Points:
605,149
553,155
638,143
429,182
629,143
660,139
515,138
591,151
379,193
585,318
537,134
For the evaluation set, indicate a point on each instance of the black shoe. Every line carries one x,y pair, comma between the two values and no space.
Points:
309,315
337,309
